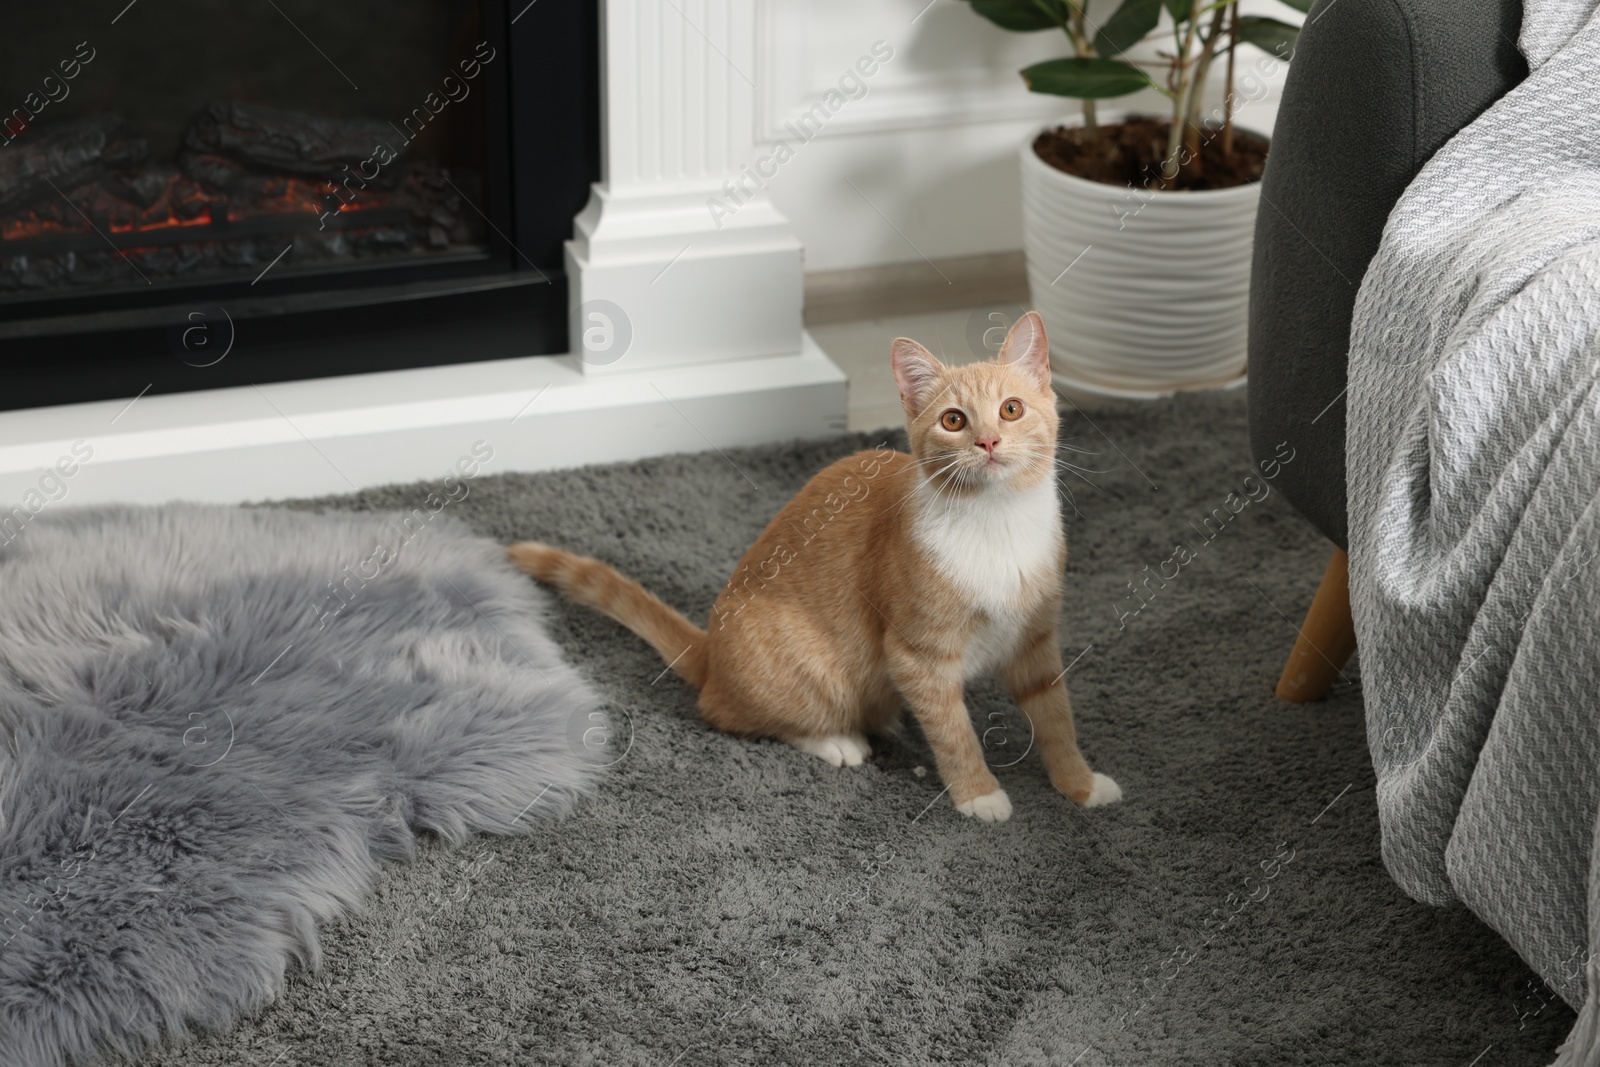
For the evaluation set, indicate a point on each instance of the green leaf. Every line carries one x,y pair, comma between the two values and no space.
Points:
1179,9
1269,35
1087,79
1127,27
1024,16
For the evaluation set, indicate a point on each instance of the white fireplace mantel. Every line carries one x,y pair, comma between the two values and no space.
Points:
695,316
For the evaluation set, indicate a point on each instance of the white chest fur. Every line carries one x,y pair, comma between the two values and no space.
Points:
993,546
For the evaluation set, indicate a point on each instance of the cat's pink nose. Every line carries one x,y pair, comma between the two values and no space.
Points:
988,444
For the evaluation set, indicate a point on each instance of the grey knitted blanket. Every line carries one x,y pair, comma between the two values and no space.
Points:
1474,457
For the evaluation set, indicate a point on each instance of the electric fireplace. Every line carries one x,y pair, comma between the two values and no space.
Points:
196,195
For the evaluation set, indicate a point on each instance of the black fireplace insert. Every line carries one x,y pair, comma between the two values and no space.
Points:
196,195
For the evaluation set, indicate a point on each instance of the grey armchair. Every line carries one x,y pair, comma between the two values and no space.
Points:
1375,88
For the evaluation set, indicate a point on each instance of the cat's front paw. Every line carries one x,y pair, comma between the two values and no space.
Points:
991,807
1103,791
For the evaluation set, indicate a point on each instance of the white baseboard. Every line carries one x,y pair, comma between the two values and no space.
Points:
335,435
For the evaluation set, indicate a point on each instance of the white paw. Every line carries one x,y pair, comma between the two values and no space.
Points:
1104,791
841,750
862,747
991,807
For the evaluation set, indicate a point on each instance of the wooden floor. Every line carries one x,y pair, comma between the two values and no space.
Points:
915,287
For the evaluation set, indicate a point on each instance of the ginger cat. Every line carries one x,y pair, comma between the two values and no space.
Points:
892,577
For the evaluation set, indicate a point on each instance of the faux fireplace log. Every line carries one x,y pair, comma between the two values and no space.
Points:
293,142
63,157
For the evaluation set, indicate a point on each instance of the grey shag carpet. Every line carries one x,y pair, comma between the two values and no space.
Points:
205,751
727,902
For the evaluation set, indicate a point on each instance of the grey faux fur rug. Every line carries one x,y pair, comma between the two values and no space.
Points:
207,750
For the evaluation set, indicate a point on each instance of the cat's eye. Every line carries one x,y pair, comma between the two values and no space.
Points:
952,420
1011,410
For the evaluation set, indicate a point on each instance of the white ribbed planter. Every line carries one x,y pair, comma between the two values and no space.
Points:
1154,300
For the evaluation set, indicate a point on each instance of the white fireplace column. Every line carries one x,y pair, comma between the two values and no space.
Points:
701,264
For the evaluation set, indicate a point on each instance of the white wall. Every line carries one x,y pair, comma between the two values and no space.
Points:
932,144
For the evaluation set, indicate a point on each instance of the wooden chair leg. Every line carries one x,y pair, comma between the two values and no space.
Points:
1327,637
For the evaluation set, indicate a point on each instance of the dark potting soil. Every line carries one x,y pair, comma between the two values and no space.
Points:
1131,153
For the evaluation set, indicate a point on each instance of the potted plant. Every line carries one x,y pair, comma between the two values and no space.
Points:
1138,229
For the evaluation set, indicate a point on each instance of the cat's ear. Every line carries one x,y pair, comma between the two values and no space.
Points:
915,370
1027,349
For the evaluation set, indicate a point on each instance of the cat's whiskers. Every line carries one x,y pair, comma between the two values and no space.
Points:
928,482
1040,453
1044,457
950,477
962,480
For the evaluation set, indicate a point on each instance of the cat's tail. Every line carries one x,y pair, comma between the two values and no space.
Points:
590,582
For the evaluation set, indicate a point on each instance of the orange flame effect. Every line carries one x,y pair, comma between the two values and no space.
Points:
186,203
